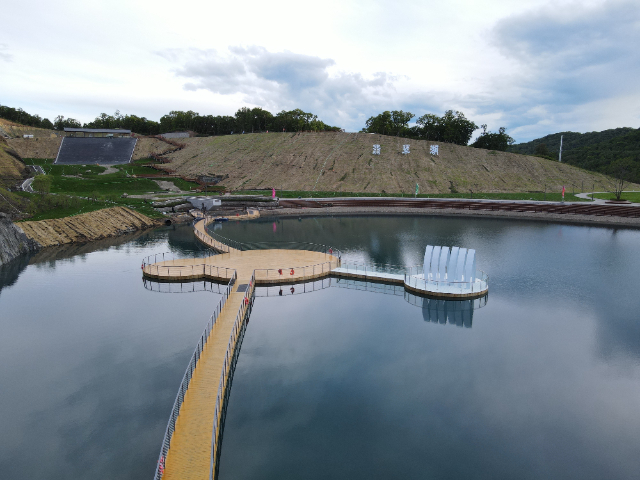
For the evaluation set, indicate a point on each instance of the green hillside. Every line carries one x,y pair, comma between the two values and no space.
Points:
593,151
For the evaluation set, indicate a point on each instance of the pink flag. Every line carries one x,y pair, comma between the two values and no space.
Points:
563,190
273,192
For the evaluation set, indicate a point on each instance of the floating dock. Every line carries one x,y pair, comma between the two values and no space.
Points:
190,449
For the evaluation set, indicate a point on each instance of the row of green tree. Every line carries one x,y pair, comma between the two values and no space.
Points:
245,120
614,152
18,115
452,127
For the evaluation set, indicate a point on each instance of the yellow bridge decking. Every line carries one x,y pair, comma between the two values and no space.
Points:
190,452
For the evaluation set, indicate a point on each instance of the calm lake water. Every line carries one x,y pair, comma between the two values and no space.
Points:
339,382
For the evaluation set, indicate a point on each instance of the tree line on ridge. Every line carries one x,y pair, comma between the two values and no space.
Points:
452,127
245,120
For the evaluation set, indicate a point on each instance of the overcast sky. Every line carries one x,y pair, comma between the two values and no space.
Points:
533,66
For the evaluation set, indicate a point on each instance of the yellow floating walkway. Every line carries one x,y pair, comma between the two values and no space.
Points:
191,445
270,266
192,452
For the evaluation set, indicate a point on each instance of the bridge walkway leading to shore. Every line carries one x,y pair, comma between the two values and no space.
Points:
200,229
190,448
190,455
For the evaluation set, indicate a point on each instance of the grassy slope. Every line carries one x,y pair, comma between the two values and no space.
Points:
631,196
103,191
343,162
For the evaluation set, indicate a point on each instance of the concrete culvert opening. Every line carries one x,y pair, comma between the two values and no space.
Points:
167,222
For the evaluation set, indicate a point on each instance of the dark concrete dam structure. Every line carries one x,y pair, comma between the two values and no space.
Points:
92,150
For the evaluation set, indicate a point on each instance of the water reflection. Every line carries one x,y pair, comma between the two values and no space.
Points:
453,312
340,383
184,287
90,360
9,272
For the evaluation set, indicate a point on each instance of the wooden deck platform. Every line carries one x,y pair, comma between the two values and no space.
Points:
270,266
190,450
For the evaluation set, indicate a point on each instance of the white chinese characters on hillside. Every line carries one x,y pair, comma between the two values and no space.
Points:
433,149
405,149
376,149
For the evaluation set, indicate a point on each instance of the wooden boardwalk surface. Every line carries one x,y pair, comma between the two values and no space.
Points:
190,449
190,454
271,266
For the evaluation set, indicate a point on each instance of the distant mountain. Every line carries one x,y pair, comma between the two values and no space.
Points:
592,151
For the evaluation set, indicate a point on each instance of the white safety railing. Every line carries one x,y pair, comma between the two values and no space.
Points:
371,269
210,240
414,278
226,367
168,265
287,274
171,256
186,379
227,245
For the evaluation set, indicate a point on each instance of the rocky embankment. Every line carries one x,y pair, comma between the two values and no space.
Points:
13,241
110,222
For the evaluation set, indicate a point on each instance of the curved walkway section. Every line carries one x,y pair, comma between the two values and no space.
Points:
190,448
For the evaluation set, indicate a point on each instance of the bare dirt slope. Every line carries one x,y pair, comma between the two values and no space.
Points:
48,147
344,162
96,225
36,147
12,170
147,146
16,130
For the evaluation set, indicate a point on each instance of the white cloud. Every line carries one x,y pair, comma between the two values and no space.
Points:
532,66
283,80
4,53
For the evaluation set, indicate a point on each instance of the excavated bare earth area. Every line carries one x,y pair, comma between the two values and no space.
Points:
11,169
344,162
97,225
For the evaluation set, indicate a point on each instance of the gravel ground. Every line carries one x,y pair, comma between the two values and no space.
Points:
543,217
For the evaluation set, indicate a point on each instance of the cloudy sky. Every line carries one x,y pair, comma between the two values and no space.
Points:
536,67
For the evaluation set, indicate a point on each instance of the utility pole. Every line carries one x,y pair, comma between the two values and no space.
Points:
560,156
